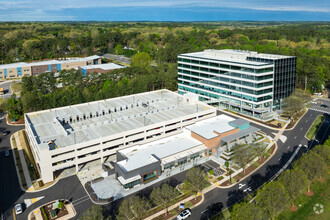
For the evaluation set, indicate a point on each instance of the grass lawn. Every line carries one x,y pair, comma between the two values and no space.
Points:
306,204
315,126
16,88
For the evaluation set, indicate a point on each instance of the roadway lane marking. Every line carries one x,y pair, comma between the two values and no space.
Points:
306,121
14,215
267,170
80,198
87,199
295,137
300,129
230,196
288,147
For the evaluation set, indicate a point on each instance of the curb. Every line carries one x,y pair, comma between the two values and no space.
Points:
12,124
17,171
311,127
289,129
261,165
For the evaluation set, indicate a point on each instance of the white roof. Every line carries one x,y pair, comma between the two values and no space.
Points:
143,155
106,66
127,113
235,56
206,128
13,65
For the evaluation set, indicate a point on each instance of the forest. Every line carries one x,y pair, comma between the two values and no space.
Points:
162,41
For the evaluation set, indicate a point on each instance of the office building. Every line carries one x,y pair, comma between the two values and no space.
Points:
143,163
100,68
17,70
244,81
71,136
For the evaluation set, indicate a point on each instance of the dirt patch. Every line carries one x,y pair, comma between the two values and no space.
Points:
321,180
310,193
293,208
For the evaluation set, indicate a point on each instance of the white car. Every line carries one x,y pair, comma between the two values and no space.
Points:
18,209
184,214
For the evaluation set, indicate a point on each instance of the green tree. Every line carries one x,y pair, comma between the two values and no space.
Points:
272,198
323,151
141,60
313,166
14,108
119,49
125,211
93,213
294,182
246,210
135,207
242,155
259,148
195,180
292,106
163,195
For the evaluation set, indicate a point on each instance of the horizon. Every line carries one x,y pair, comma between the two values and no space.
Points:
163,11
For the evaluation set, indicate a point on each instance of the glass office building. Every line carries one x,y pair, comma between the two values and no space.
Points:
242,81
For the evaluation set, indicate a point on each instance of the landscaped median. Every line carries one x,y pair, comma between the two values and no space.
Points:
315,126
56,210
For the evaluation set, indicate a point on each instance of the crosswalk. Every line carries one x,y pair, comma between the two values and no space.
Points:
319,110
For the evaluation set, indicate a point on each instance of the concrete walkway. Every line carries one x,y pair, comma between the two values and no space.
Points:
23,162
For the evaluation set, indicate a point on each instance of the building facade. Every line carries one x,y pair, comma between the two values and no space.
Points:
243,81
17,70
72,136
100,68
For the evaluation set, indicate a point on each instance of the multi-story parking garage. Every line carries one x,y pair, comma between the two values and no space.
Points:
70,136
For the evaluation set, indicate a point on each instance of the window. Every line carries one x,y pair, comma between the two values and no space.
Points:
210,152
131,184
150,176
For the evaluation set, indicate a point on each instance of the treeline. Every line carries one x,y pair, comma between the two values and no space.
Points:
277,196
45,91
164,41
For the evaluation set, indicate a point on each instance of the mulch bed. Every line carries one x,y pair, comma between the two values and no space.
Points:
248,170
310,193
18,122
293,208
62,212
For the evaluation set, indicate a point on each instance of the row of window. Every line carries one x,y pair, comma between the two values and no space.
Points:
225,73
226,66
225,86
229,80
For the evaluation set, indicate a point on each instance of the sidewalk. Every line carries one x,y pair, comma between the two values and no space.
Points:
23,162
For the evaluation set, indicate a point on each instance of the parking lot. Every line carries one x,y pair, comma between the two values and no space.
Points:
212,165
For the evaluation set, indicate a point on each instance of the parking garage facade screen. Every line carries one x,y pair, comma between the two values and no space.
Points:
69,137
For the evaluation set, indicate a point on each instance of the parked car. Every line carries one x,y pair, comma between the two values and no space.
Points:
184,214
7,153
4,133
324,106
18,209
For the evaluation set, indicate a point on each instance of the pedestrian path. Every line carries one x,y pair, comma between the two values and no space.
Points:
319,110
23,162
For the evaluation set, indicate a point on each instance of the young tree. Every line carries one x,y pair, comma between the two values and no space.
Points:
294,182
93,213
292,106
272,198
195,180
259,148
242,155
135,207
125,211
14,108
313,165
163,195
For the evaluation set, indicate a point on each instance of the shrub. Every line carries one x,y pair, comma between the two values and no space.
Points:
44,213
211,172
220,178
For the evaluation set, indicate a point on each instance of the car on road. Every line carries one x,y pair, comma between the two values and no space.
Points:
324,106
184,214
7,153
18,209
4,133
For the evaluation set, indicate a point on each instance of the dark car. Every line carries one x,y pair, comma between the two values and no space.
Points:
7,153
4,133
324,106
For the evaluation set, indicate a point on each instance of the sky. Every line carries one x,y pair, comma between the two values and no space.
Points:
164,10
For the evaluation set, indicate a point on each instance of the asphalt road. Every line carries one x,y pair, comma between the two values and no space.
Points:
219,199
215,200
6,86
